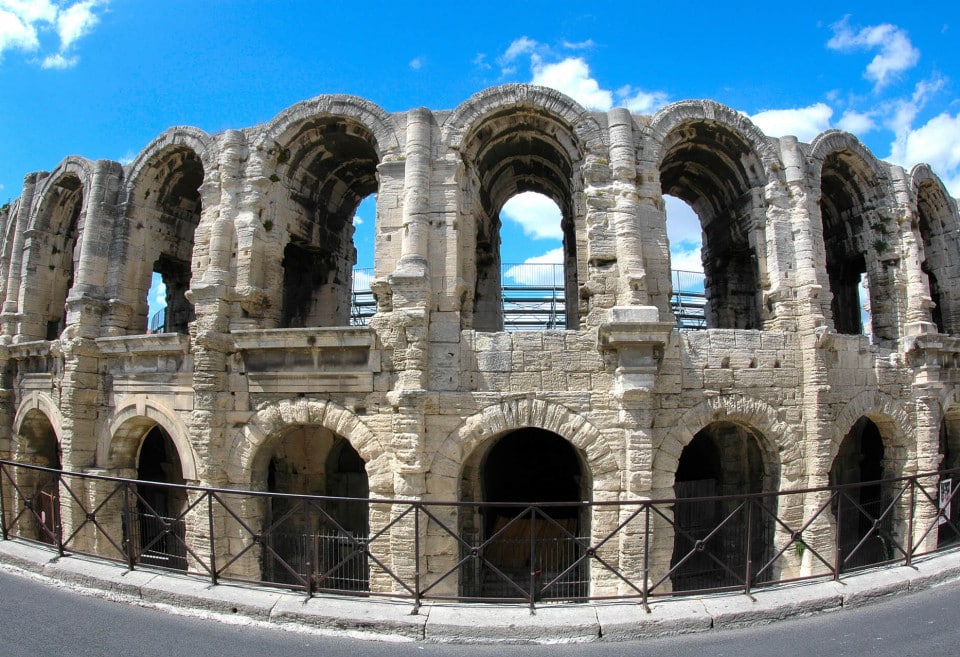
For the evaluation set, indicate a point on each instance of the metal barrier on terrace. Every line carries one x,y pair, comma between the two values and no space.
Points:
414,550
533,297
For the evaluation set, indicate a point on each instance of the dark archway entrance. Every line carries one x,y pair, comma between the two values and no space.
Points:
862,508
714,539
522,545
948,530
157,523
39,446
311,541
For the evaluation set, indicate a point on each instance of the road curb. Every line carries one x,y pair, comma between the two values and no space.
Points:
480,623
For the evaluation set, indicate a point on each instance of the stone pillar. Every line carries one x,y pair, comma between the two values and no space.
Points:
100,208
916,318
9,318
625,212
250,229
210,293
416,193
633,342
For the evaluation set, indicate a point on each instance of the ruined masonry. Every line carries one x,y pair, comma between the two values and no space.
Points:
260,376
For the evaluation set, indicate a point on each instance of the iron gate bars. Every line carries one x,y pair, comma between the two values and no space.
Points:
535,554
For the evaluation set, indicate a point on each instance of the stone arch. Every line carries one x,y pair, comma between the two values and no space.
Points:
937,222
719,163
324,157
71,167
861,233
163,208
604,463
494,100
510,140
360,110
890,416
121,439
39,401
831,141
178,137
675,115
246,449
52,249
780,441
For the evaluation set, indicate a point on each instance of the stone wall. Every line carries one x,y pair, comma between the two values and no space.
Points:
252,231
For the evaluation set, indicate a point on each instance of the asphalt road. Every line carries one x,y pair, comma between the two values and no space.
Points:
37,618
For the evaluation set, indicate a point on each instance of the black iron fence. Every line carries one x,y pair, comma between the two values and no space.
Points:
532,553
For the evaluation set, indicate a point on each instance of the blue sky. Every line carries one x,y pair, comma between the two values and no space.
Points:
102,78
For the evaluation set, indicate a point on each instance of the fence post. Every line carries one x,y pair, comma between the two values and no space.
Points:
533,559
58,517
213,545
836,535
3,503
416,558
645,569
910,518
749,546
131,519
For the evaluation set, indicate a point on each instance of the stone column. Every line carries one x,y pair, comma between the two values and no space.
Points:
11,305
916,318
815,342
100,201
416,193
625,212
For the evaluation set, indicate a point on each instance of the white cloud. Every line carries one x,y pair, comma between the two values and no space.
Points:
538,216
417,63
578,45
76,21
15,32
856,123
684,234
572,77
804,123
896,55
480,61
936,143
362,279
23,22
58,61
639,101
524,274
521,46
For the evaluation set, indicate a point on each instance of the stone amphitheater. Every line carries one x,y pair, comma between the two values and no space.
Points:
260,378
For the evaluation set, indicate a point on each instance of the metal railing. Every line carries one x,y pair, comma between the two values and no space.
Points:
533,297
533,554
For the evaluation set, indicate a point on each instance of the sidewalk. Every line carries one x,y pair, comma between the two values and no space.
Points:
479,623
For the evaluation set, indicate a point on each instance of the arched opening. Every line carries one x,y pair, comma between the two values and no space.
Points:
688,296
158,525
722,542
716,173
364,305
332,167
859,249
311,541
516,151
519,546
948,530
52,259
534,287
862,508
38,445
167,203
940,259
